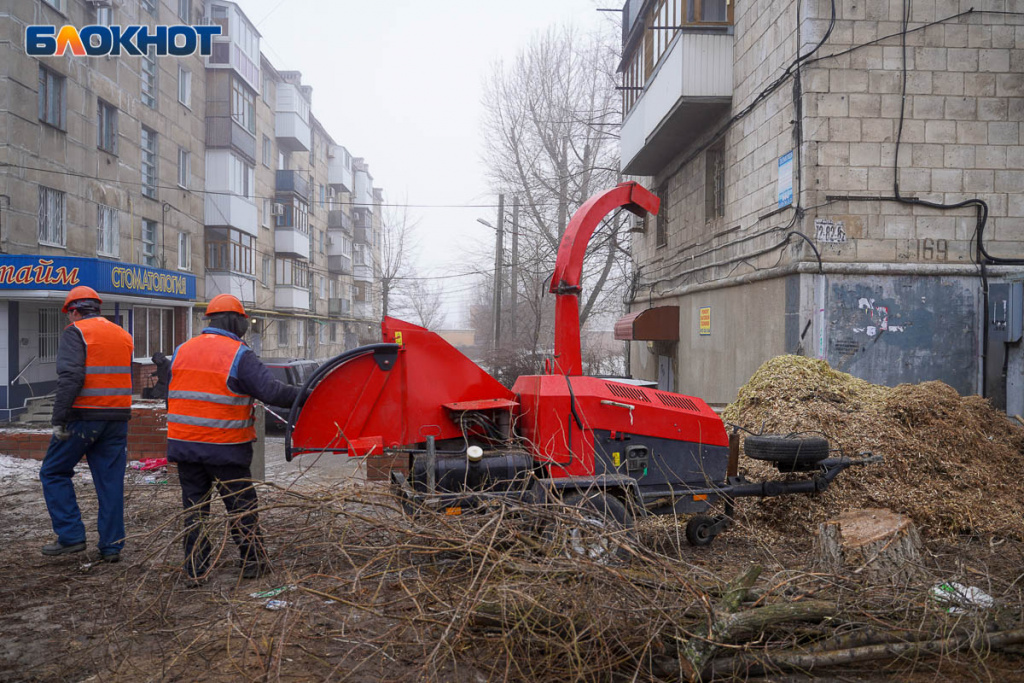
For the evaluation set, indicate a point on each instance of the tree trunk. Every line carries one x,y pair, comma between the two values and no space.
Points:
880,545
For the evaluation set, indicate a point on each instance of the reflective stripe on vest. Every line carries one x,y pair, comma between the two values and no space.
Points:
108,366
200,407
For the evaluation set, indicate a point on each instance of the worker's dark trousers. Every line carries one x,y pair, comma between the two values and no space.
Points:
197,484
103,443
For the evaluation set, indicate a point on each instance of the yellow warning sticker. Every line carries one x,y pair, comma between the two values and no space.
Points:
617,459
398,338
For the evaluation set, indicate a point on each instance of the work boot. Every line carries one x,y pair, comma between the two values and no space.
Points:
111,557
254,570
57,548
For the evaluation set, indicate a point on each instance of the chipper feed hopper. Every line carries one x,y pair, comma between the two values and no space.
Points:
607,444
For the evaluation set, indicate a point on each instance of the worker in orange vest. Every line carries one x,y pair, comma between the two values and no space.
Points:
214,378
90,419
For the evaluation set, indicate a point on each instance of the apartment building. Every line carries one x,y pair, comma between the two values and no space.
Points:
161,182
837,180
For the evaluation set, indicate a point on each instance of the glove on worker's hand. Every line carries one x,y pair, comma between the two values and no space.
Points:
61,432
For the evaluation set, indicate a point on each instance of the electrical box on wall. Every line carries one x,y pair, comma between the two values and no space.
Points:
1014,312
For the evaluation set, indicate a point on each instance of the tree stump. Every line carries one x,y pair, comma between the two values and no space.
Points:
880,545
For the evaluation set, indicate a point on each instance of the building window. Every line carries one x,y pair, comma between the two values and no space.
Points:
149,73
661,234
56,4
282,333
228,249
104,15
51,217
148,144
51,98
323,287
268,265
150,6
300,333
334,332
714,182
241,177
268,151
51,324
184,167
184,251
108,231
323,240
148,255
106,126
154,331
292,273
266,213
185,86
243,105
185,10
294,215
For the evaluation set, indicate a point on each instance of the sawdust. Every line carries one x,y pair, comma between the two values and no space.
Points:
952,463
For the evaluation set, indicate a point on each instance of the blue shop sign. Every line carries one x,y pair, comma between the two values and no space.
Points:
112,277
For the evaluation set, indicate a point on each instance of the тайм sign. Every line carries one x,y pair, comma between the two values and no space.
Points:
95,41
112,277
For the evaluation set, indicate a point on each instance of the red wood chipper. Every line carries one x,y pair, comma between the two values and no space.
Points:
606,445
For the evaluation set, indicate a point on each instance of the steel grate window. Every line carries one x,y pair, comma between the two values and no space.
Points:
50,324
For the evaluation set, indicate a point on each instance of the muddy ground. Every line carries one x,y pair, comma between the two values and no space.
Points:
364,612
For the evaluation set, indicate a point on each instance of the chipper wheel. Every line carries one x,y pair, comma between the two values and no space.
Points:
591,525
790,454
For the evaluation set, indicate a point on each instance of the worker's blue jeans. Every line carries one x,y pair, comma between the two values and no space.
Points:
104,444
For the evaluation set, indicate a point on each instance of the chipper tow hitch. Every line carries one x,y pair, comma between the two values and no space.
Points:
456,438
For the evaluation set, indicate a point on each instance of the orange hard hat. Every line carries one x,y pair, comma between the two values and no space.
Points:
225,303
78,293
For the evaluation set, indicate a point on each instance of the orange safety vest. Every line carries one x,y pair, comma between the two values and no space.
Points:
200,407
108,366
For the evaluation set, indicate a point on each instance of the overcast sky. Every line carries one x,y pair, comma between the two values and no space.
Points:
399,83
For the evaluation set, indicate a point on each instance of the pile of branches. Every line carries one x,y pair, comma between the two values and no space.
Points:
366,589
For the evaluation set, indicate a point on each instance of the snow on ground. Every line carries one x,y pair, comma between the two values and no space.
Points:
23,471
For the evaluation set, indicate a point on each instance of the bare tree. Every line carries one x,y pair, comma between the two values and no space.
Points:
551,135
396,248
421,301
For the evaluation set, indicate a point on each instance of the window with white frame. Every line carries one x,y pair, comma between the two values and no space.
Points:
104,15
108,231
106,126
300,333
56,4
241,177
148,144
266,213
323,287
185,11
149,76
51,324
148,243
154,331
185,86
184,251
51,217
51,97
268,266
293,273
268,151
323,332
243,105
184,167
150,6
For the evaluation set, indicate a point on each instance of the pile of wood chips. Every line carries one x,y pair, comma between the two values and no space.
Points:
953,464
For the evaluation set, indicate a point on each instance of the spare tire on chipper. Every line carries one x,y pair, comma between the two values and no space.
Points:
788,453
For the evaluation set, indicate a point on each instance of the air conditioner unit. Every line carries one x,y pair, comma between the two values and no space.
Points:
637,224
277,209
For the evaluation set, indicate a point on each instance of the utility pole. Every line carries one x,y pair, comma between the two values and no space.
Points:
514,272
498,258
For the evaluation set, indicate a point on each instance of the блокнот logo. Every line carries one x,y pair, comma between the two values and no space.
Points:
96,41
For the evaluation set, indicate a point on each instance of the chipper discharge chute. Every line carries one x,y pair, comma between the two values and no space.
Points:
608,445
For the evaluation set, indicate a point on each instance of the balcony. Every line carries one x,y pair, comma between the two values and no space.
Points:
291,242
291,118
240,286
337,219
291,298
340,264
362,236
294,182
339,169
238,45
230,210
339,307
363,310
224,132
690,89
363,195
361,273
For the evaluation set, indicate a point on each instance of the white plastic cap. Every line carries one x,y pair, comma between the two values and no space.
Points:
474,453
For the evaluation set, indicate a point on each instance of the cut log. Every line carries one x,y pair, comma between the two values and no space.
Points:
881,545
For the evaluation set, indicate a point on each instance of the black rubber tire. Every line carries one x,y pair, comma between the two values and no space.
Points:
786,451
603,513
697,531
